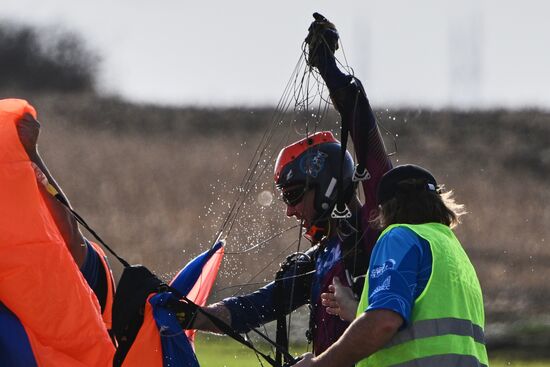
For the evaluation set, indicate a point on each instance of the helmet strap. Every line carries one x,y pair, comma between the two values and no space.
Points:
316,233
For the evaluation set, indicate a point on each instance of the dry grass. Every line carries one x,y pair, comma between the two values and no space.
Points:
498,163
155,182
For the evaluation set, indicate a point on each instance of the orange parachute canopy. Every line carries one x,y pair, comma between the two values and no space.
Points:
39,281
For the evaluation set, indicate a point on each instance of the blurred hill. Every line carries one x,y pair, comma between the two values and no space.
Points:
147,177
45,59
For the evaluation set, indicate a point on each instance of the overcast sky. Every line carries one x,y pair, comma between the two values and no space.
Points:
429,53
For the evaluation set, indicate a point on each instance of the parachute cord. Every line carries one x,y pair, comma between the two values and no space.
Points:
257,357
345,65
303,90
53,191
226,329
255,171
81,220
278,234
266,282
252,170
293,285
311,74
355,251
388,132
261,271
249,282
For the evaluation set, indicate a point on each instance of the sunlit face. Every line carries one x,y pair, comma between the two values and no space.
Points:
300,204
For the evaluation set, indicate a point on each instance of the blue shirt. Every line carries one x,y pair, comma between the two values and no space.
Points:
400,267
93,271
15,348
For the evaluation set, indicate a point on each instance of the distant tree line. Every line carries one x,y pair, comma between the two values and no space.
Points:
42,59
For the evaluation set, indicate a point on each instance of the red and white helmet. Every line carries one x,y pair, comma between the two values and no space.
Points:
314,162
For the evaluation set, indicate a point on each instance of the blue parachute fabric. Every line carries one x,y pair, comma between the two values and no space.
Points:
15,348
176,348
189,275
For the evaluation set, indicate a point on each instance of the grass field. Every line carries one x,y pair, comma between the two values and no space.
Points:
215,351
223,351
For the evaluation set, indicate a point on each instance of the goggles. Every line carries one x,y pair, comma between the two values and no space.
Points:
293,196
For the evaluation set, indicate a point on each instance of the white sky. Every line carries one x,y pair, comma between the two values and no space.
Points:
434,53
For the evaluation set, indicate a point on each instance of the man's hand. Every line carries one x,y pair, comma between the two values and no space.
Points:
340,301
28,129
185,312
219,310
366,335
322,40
306,360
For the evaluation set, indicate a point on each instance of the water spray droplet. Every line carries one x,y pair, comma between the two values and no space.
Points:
265,198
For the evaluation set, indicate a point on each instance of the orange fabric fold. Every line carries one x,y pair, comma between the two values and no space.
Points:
39,281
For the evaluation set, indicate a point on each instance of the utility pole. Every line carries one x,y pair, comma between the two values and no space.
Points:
465,54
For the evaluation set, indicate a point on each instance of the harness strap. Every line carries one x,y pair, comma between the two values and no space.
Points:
340,209
281,337
81,220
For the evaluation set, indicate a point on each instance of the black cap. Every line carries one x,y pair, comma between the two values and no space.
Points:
388,186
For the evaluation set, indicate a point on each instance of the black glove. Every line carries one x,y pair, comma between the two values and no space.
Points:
298,263
322,40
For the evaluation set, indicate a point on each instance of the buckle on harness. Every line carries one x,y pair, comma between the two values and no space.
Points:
340,214
360,175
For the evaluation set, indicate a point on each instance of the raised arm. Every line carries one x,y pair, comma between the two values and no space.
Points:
354,107
350,100
29,129
89,258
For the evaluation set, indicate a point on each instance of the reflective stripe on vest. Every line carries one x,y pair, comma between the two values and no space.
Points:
436,327
447,318
455,360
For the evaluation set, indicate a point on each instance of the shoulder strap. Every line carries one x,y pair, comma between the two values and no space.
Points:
136,284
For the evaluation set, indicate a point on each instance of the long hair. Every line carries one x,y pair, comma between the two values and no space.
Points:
413,204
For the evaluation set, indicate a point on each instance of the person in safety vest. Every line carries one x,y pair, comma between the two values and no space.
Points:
422,304
89,257
308,173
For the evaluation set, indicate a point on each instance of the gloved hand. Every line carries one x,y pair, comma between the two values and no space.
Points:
185,311
322,40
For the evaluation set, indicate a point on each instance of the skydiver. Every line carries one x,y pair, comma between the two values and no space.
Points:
340,248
